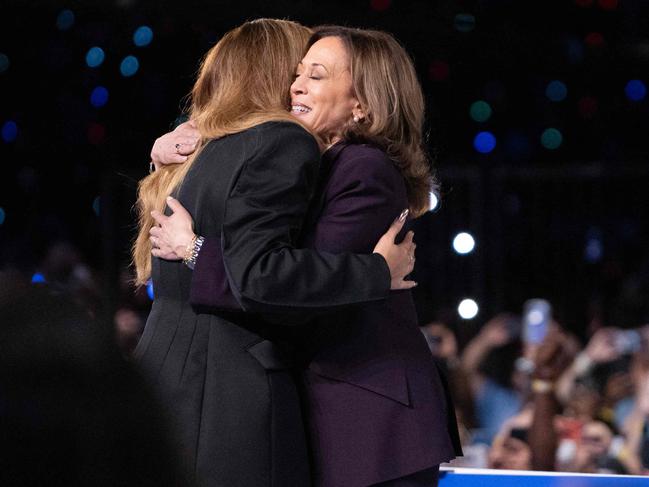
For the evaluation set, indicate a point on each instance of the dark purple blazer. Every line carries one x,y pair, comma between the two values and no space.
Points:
376,405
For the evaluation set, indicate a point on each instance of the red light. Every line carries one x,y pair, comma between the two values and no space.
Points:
588,107
608,4
438,70
96,133
380,5
595,39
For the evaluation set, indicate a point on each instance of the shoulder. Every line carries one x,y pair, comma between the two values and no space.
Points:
282,133
365,162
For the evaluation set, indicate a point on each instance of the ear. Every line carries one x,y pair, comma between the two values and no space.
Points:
357,111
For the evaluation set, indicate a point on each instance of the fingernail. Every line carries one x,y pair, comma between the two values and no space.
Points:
169,198
403,215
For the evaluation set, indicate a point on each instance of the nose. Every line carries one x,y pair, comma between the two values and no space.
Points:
298,87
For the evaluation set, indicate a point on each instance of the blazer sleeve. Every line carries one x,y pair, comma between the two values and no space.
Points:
365,194
263,217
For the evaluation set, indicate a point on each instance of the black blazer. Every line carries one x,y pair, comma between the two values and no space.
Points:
229,394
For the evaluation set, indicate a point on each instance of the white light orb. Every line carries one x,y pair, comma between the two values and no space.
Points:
467,309
433,201
463,243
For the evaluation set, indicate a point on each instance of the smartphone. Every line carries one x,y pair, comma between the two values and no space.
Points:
537,314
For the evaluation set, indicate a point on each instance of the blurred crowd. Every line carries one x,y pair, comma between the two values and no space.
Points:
559,403
555,405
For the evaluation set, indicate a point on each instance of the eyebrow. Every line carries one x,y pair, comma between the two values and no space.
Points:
313,65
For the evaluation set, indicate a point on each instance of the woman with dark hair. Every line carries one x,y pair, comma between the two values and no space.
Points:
376,406
222,376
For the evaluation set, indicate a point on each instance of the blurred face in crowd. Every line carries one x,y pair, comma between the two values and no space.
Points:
583,402
510,453
595,439
322,95
441,340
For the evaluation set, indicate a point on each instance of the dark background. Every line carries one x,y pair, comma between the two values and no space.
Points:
569,224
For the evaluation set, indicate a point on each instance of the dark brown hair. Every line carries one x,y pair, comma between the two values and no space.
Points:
385,83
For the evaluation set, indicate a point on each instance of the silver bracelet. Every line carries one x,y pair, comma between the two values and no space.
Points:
192,255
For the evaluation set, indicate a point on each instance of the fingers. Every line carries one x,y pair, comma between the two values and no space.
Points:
159,217
397,225
174,159
175,205
184,145
404,285
155,232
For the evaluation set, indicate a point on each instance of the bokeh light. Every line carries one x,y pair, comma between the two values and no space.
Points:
467,309
439,70
143,36
551,138
480,111
95,56
65,19
96,133
4,62
99,97
635,90
9,131
149,289
129,66
463,243
594,249
433,201
556,91
594,39
608,4
38,278
464,22
587,107
96,205
484,142
574,50
2,216
380,5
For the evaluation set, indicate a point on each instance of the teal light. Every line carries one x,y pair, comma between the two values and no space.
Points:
480,111
551,139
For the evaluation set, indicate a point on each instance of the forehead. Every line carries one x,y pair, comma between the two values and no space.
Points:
330,52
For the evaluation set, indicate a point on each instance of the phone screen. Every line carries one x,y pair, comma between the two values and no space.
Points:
537,314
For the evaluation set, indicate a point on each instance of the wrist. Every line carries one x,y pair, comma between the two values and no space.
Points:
541,386
583,363
192,251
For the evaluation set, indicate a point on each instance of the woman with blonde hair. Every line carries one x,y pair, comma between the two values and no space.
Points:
223,376
378,412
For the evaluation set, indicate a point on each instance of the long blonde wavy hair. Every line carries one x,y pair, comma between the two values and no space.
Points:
244,80
385,83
